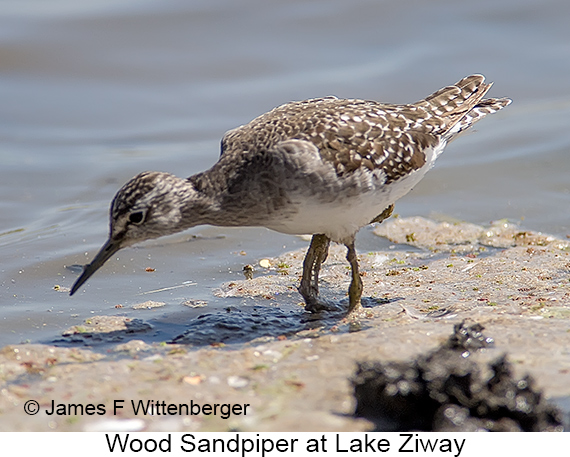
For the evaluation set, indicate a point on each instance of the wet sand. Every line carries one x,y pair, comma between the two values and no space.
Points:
294,373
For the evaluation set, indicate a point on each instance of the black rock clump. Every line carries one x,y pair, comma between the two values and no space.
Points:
446,390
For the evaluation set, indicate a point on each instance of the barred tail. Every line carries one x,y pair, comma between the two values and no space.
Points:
462,104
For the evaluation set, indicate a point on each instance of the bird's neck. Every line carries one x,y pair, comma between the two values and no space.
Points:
220,200
204,203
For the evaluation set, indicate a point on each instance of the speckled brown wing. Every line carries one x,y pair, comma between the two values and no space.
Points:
348,133
375,136
352,134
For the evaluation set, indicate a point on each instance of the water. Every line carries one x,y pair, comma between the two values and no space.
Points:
94,92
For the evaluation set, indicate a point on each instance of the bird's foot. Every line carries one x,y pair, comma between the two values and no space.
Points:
384,214
354,309
317,305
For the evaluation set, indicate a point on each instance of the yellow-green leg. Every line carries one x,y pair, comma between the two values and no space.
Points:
309,288
355,288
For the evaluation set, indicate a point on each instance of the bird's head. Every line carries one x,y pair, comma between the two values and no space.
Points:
146,207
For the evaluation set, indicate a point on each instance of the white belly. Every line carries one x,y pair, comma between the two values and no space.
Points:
340,218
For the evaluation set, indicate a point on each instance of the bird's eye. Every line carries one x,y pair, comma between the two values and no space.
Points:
136,217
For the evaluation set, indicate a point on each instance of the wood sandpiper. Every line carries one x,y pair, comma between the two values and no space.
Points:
325,167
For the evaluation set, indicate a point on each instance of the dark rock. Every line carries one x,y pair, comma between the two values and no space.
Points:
446,391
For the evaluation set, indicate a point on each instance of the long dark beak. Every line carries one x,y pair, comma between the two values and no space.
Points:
108,249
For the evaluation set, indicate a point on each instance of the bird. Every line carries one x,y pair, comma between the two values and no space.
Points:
324,167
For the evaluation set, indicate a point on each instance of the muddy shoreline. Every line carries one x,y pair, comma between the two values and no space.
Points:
294,374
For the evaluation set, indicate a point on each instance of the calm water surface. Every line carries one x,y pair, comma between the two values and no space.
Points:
94,92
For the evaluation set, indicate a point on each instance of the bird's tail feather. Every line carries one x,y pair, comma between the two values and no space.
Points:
462,104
